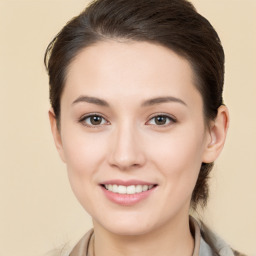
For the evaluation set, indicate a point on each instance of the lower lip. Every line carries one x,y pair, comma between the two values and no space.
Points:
125,199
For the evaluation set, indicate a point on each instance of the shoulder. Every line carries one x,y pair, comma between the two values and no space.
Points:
236,253
84,245
208,243
57,252
78,249
217,243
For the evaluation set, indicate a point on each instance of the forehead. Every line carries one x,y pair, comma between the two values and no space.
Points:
129,68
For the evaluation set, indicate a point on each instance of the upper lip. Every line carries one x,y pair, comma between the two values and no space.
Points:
126,182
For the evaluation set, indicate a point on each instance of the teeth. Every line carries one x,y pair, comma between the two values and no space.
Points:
144,188
114,188
121,190
129,190
138,189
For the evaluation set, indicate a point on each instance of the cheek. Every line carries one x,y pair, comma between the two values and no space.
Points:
82,150
178,150
84,154
179,157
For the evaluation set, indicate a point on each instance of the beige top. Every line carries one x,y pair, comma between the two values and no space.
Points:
85,247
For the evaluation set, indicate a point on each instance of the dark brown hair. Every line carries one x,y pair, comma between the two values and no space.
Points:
174,24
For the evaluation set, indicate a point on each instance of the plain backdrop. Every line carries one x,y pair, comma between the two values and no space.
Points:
38,211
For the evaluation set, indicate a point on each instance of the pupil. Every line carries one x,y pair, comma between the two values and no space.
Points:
96,120
160,120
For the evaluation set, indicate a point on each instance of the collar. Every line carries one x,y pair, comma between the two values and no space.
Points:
202,248
85,247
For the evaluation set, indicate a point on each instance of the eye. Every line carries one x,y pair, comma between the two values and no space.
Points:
93,120
161,120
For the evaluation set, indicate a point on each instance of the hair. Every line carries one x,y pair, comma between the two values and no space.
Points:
174,24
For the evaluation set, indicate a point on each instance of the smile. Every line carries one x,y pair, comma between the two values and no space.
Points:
128,190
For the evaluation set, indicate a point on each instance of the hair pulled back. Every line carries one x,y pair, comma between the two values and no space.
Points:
174,24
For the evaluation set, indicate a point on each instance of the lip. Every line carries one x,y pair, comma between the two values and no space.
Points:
127,199
127,182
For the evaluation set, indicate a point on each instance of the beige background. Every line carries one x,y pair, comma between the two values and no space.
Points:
38,210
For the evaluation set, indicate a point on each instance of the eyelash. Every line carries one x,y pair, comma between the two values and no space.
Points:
171,120
82,120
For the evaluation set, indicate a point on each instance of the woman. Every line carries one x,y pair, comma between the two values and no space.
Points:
138,117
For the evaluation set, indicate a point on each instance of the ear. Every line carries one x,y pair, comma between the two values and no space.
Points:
56,134
218,133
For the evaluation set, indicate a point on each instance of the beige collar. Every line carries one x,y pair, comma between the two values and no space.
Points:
195,229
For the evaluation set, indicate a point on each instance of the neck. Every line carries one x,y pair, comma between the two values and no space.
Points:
173,239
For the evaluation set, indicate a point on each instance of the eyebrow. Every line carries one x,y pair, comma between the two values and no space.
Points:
92,100
150,102
160,100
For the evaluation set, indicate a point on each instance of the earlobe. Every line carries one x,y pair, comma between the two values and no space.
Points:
56,134
218,133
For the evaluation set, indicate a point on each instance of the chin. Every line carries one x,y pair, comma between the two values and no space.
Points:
126,227
129,230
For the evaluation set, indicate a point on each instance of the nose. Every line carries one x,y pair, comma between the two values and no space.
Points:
126,149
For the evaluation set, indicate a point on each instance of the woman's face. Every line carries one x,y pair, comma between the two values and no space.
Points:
132,120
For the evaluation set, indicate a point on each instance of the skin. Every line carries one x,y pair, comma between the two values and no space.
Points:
129,143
